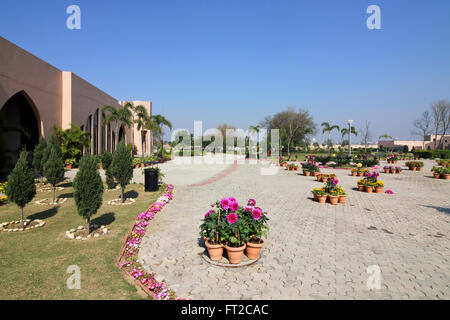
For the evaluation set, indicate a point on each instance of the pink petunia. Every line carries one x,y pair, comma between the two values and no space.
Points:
257,213
251,202
208,213
248,208
231,199
232,218
335,181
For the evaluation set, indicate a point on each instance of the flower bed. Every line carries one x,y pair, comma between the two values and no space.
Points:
331,192
127,259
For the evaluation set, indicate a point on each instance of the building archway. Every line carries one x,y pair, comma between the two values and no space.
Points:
122,133
19,127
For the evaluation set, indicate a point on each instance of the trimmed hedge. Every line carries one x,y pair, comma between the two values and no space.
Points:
432,154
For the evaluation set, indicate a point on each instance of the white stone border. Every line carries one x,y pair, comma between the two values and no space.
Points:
26,222
70,234
118,202
58,201
49,189
116,188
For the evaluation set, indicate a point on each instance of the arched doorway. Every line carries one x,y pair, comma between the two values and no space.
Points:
19,127
121,133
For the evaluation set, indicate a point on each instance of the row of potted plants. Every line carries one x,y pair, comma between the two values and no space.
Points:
392,159
322,177
310,168
292,167
371,183
331,192
415,165
360,172
441,172
235,228
392,169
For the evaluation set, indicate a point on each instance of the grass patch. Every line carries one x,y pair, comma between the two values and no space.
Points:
33,263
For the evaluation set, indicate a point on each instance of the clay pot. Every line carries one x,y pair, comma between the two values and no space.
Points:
253,250
379,189
413,168
315,197
235,254
322,199
386,170
324,179
369,189
215,251
354,173
333,199
436,175
360,174
69,166
420,168
307,173
315,174
319,178
446,176
398,170
361,187
342,198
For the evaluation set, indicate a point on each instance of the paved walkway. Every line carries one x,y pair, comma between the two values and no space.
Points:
313,251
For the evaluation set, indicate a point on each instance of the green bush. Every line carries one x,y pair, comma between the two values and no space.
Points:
106,158
20,188
88,189
122,166
54,170
37,156
432,154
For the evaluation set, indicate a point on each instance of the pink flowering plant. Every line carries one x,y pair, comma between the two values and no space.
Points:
128,260
231,224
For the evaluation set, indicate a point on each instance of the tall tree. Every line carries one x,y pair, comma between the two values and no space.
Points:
88,189
294,126
345,131
422,126
123,115
440,115
122,167
444,110
366,135
54,170
160,121
52,144
37,156
328,128
21,188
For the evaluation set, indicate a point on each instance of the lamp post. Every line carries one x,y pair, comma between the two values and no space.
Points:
349,138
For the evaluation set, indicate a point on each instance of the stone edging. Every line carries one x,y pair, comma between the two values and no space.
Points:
70,234
27,221
118,202
58,201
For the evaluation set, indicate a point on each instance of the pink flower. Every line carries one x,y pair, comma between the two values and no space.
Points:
257,213
232,218
231,199
251,202
225,203
335,181
208,213
389,191
248,208
234,206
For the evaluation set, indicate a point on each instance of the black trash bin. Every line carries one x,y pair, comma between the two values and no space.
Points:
151,179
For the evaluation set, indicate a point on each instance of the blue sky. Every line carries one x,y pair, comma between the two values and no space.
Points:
237,61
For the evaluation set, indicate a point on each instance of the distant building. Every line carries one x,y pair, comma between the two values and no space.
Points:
428,143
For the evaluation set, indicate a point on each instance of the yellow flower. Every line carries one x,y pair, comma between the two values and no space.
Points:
359,165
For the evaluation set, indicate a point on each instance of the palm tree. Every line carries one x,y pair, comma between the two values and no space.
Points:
123,115
386,136
159,121
328,128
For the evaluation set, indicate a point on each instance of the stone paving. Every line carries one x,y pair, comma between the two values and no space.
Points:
313,251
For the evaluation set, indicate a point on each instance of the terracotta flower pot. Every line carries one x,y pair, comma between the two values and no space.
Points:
420,168
322,199
369,189
315,197
342,198
307,173
253,250
354,174
215,251
324,179
235,254
386,170
436,175
379,189
319,177
315,174
446,176
333,199
413,168
361,187
360,174
398,171
69,166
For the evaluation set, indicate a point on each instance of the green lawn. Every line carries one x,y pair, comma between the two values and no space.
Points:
302,155
33,263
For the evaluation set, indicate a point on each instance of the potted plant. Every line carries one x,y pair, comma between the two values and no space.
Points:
354,172
379,186
387,169
361,185
436,172
419,165
369,186
210,232
445,173
69,163
256,227
333,197
398,169
342,194
321,195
